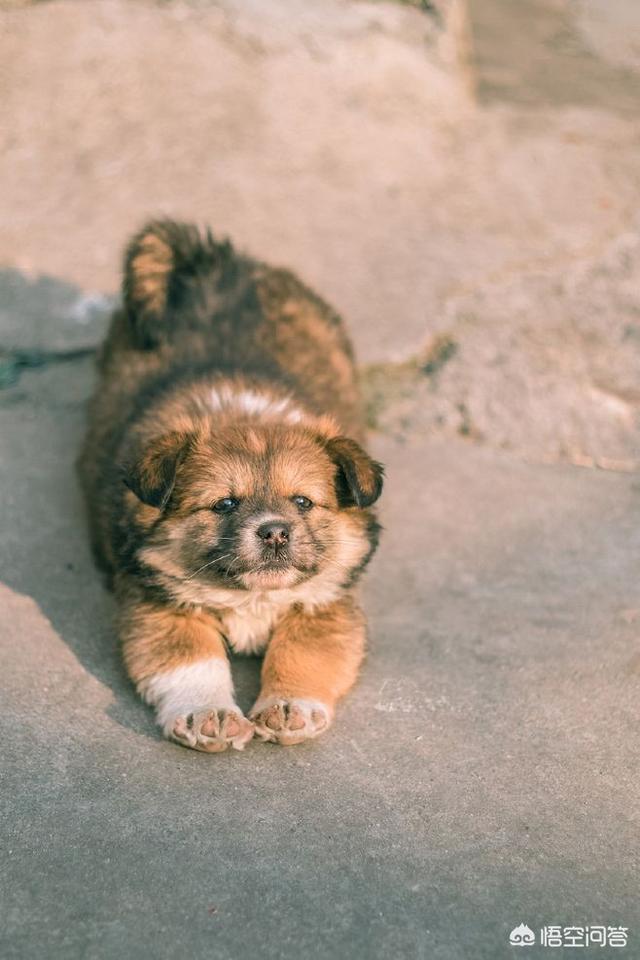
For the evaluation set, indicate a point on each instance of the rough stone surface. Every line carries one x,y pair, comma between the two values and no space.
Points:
547,365
484,771
577,53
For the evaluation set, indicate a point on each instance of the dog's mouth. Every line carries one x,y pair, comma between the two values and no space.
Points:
274,573
272,569
275,561
276,564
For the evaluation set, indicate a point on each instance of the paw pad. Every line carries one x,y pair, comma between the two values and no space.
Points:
212,731
289,721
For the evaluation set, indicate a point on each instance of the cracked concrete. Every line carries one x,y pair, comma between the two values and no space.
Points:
485,253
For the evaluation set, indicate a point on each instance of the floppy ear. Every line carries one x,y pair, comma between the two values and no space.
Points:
358,477
152,474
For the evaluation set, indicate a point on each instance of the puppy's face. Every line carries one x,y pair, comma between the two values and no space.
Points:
255,507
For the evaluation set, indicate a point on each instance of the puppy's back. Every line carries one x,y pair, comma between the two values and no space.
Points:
194,306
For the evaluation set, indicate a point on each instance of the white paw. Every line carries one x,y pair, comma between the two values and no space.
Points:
289,720
211,730
195,706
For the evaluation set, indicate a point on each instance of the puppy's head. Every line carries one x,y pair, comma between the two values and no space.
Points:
253,506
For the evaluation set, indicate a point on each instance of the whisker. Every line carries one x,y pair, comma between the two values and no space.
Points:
205,565
322,543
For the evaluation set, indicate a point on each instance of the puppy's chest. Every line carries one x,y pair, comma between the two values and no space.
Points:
248,628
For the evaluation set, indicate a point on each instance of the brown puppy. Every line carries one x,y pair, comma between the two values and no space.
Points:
227,489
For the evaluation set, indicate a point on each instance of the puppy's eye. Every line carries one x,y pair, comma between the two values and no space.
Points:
226,505
303,503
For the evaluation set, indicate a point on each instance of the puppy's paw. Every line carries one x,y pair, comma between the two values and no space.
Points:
289,720
211,730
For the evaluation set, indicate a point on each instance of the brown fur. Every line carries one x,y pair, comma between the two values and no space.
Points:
156,637
304,650
227,415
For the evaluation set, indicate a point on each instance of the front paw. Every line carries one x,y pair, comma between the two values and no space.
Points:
289,720
211,730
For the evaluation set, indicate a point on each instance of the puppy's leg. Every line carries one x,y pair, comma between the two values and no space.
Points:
178,663
312,660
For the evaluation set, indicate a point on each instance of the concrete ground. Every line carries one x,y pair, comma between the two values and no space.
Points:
483,773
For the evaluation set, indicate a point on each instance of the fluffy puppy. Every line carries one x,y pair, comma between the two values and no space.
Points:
228,492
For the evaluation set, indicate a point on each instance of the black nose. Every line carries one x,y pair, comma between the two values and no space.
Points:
274,533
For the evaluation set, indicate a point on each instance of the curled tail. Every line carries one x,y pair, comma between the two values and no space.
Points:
174,276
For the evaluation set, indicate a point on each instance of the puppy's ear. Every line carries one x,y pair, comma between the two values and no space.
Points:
151,475
358,477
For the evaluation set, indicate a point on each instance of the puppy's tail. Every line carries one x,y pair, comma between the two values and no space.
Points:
174,275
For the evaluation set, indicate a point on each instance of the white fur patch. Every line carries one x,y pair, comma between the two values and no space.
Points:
204,685
253,403
248,627
248,617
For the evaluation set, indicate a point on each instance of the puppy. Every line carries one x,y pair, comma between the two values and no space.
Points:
228,492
